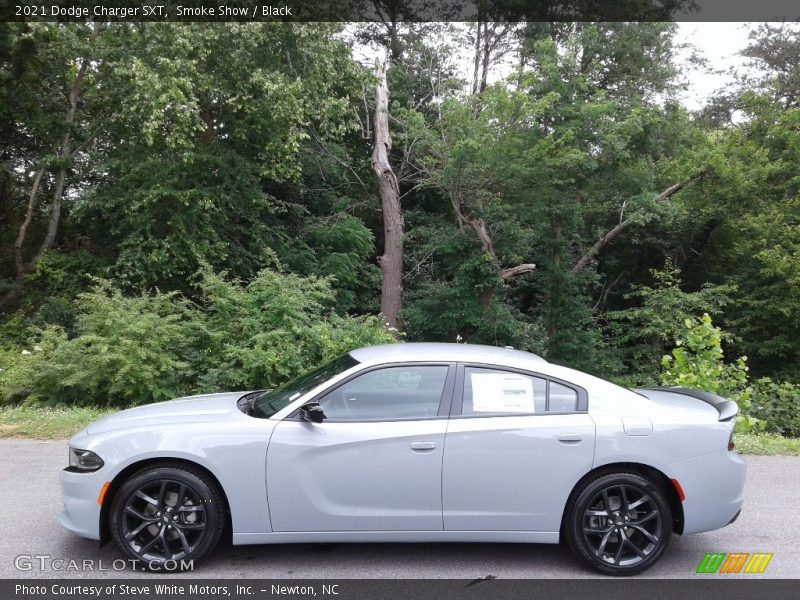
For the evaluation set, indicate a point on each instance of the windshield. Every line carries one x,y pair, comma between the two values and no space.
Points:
271,401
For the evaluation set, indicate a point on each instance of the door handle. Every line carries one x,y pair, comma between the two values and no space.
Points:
570,438
422,446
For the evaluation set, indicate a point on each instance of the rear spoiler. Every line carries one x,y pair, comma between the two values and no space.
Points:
727,409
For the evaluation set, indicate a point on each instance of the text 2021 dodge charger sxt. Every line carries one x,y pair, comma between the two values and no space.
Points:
412,443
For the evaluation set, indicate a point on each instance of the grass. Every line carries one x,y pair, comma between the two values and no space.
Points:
766,444
61,423
46,423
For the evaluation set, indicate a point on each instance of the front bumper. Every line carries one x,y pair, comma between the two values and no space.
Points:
714,488
81,514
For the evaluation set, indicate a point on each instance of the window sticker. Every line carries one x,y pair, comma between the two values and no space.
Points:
502,393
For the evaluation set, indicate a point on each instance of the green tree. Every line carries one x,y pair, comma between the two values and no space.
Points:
642,333
209,157
56,80
532,174
751,211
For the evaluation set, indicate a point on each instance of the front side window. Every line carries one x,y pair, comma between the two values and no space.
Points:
496,392
389,393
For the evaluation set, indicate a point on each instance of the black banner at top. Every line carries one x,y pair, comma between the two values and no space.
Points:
398,10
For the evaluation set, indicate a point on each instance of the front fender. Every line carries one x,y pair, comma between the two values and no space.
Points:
234,452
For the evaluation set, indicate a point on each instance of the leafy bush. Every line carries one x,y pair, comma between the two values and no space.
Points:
698,362
260,334
140,349
16,372
127,350
339,247
778,405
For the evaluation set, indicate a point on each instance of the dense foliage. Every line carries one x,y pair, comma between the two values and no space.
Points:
191,207
132,349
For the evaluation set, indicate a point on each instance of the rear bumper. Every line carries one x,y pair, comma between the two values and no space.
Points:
81,514
714,488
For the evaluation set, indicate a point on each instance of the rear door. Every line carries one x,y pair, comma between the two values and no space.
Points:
374,463
516,444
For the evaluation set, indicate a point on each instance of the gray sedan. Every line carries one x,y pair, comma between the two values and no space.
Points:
412,443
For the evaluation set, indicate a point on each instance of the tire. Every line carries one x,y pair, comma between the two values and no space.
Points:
167,513
609,538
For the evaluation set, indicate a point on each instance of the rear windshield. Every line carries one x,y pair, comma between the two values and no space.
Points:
271,401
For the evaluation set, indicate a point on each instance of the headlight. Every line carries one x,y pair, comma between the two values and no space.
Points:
84,460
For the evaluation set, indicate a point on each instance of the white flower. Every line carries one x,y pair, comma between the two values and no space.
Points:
26,351
37,348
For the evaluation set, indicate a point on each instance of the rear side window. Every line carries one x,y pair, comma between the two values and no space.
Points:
562,398
497,392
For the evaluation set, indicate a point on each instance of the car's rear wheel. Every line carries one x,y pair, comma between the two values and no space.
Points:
166,516
618,523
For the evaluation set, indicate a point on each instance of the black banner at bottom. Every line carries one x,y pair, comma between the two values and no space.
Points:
414,589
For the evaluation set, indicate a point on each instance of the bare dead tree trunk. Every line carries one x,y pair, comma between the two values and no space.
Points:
623,224
64,155
392,259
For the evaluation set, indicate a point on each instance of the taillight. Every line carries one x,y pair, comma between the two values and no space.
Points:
731,444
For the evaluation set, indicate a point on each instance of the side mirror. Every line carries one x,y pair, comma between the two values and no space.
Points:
312,412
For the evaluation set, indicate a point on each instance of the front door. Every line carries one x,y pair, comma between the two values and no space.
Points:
373,464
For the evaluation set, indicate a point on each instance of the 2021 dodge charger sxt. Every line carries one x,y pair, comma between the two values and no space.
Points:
412,443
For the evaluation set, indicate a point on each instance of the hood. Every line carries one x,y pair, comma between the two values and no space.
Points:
191,409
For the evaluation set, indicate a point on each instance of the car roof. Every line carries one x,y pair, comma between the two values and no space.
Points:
430,351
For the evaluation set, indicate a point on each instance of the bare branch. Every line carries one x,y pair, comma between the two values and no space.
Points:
603,299
522,269
623,224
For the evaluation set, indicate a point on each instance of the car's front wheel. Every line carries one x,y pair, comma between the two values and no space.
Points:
618,523
166,516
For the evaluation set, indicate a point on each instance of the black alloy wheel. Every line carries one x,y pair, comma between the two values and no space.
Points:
619,524
166,514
